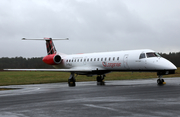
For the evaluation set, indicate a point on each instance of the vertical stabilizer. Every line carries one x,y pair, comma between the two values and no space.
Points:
50,46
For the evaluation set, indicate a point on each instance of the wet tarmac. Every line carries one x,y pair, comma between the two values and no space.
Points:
139,98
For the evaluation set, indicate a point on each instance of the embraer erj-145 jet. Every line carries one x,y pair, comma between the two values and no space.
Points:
144,60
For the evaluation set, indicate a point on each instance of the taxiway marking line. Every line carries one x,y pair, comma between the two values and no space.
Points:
101,107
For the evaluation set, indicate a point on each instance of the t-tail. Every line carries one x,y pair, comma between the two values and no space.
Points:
52,57
49,44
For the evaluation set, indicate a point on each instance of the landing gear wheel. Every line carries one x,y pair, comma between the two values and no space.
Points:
72,80
100,80
101,83
160,81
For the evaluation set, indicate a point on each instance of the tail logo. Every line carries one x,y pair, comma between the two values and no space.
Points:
50,47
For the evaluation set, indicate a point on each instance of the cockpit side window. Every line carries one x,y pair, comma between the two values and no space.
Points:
152,54
142,55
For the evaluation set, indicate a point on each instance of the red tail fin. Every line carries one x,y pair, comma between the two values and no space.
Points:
50,46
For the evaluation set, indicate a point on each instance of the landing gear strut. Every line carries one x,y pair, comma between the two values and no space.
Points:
100,80
72,80
160,81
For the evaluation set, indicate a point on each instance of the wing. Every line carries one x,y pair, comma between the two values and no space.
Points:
55,70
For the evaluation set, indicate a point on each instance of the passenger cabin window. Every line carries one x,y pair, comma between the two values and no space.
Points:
152,54
142,55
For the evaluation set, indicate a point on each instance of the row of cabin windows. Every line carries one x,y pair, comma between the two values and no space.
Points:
91,59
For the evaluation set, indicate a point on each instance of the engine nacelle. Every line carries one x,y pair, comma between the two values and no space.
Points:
52,59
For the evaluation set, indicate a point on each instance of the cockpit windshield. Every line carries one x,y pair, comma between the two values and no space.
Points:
152,54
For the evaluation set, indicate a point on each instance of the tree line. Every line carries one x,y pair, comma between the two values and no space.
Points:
174,57
23,63
37,63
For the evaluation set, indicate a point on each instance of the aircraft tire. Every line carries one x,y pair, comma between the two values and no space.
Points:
162,80
101,83
71,83
158,81
98,79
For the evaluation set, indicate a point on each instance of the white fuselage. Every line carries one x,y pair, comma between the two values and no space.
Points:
116,61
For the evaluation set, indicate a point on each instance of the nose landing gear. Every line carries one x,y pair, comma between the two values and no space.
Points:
160,81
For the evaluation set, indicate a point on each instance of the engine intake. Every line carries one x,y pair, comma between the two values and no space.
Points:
52,59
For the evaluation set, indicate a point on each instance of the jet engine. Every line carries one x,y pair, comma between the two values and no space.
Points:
52,59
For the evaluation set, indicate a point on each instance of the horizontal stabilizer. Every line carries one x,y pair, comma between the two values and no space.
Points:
49,44
46,39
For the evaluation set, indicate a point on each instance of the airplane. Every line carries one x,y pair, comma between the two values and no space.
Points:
101,63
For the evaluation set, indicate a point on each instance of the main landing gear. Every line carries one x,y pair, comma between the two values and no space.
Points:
72,80
100,80
160,81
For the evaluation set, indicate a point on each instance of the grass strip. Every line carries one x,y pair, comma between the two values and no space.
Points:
22,77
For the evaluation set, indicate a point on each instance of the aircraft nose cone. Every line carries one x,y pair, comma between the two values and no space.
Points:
172,66
167,65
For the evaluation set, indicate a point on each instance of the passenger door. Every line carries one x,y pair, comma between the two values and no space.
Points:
125,61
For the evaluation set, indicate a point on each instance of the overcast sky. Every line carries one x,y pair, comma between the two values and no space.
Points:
91,25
